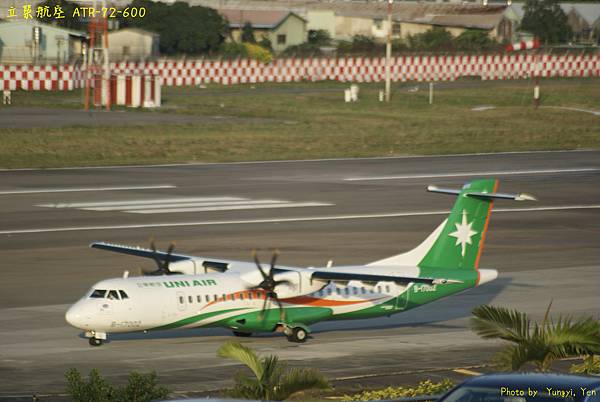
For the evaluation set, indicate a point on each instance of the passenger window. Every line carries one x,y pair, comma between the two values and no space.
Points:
181,301
387,288
113,295
224,297
364,291
329,291
347,291
217,297
379,289
123,295
355,290
98,294
338,291
199,299
241,296
190,299
207,297
249,295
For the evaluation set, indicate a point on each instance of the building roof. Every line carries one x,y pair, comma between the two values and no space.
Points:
138,31
257,18
474,21
407,11
35,23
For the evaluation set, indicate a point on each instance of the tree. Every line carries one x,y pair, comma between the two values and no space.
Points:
474,40
319,37
271,382
546,20
248,33
182,29
437,38
139,388
538,343
67,8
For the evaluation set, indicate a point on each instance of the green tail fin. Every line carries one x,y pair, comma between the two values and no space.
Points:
460,242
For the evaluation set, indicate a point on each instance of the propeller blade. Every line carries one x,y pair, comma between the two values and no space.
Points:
167,261
281,310
257,262
273,260
261,315
157,260
284,282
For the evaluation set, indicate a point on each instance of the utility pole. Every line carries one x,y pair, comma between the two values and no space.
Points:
388,51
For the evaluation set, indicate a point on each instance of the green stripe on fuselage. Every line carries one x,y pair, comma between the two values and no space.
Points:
195,319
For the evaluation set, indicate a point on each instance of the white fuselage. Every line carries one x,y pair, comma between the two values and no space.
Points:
152,302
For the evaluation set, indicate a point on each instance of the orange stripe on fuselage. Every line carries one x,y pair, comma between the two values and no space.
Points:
313,301
483,234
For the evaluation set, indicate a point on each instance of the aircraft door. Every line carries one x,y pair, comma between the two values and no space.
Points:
403,297
181,302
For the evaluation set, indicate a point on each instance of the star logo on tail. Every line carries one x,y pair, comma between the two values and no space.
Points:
463,233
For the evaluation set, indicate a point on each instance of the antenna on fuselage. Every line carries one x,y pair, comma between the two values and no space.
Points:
125,274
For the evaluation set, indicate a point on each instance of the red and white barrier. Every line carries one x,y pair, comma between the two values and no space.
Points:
352,69
523,45
136,90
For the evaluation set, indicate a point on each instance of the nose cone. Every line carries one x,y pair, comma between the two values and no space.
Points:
74,316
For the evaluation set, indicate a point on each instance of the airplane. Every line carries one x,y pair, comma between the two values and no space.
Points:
245,297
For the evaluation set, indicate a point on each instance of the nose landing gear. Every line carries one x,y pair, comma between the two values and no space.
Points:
95,338
95,341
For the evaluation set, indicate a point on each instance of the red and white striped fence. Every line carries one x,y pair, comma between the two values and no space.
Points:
136,90
351,69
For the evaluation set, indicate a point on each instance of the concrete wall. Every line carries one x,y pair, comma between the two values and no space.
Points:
132,45
17,45
321,20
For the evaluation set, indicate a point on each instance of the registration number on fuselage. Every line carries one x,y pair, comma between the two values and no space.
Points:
125,324
424,288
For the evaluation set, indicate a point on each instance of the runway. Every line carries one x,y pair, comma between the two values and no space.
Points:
349,211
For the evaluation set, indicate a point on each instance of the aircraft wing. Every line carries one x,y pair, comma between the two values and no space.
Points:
139,251
353,276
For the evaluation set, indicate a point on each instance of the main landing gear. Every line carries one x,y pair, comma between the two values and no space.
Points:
296,334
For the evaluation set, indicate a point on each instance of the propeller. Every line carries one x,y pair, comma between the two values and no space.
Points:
162,264
268,284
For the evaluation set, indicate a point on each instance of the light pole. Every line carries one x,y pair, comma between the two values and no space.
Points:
388,51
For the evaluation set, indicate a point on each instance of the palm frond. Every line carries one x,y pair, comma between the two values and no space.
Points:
501,323
580,337
243,354
297,379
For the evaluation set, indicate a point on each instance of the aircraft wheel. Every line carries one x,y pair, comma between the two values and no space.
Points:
242,334
298,335
95,342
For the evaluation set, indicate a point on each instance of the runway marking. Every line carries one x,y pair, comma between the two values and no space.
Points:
138,202
299,160
252,205
186,204
282,220
73,190
468,174
467,372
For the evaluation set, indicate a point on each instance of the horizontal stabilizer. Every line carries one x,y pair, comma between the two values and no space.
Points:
138,251
479,194
343,276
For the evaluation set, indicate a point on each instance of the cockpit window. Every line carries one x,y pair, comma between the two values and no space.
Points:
113,295
123,294
98,294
